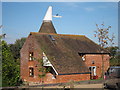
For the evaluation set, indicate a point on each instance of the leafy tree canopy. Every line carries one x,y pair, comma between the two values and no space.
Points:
10,70
112,50
16,47
115,56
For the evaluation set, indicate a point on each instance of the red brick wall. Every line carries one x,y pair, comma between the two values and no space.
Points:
66,78
29,46
59,78
97,58
32,46
74,77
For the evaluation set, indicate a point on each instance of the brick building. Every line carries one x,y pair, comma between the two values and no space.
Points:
68,57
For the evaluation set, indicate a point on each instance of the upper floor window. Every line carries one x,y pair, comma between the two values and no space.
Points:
93,62
31,72
31,56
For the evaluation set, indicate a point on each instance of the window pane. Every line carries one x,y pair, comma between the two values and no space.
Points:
31,72
30,56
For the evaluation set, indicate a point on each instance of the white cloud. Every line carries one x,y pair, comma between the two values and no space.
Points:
89,9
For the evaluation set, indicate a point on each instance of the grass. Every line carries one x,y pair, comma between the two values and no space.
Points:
96,79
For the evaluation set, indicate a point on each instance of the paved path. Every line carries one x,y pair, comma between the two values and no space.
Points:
77,86
89,86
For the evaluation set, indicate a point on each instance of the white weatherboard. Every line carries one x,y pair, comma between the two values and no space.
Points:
48,15
46,62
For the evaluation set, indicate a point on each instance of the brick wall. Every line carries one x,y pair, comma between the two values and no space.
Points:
29,46
97,58
32,46
48,79
74,77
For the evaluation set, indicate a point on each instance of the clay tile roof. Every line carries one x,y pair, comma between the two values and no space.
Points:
47,27
63,51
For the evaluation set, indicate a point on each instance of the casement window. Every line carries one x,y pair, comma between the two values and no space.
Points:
31,56
31,72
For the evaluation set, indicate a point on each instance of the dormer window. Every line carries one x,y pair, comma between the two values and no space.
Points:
31,56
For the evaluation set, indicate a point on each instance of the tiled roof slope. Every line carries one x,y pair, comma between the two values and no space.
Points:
62,51
47,27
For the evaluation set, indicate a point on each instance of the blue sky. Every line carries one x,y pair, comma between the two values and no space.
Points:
21,18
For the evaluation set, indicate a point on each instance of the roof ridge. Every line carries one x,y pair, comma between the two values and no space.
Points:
56,34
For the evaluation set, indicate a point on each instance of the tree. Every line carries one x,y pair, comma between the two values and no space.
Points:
16,47
43,70
2,35
115,61
102,33
10,70
11,62
0,63
115,56
112,50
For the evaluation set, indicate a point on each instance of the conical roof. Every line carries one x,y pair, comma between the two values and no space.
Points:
47,25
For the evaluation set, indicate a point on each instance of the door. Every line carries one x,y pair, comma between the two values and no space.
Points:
93,71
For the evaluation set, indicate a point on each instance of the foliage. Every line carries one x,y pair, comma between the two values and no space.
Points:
112,50
11,62
115,61
0,64
10,74
43,69
115,56
16,47
102,34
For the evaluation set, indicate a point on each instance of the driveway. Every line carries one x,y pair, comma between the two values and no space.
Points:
76,87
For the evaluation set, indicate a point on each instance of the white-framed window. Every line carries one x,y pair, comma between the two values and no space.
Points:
31,72
31,56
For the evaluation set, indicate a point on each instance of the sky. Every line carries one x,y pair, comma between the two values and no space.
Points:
79,18
59,0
